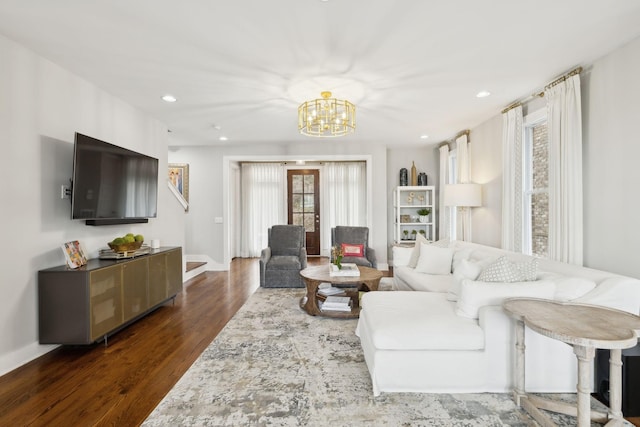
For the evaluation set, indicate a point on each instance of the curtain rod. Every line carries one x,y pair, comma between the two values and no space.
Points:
458,135
540,94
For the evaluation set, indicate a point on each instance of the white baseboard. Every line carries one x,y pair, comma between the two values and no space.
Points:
22,356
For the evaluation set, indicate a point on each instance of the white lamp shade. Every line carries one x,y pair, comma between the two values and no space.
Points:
465,195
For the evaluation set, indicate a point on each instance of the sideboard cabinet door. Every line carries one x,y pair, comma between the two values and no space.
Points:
105,301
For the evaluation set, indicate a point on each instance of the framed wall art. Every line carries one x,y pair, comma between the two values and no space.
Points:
179,178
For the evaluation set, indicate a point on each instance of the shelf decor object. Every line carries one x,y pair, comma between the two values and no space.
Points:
326,117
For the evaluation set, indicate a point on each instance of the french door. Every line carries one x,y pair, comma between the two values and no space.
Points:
303,204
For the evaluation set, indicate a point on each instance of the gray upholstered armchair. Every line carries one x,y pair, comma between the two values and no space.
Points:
282,260
355,236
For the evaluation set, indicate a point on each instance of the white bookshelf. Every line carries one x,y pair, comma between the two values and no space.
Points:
407,201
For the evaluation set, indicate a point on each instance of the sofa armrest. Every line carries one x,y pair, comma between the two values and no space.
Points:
265,256
303,258
371,256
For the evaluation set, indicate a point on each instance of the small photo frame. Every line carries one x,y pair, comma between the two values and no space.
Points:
405,218
179,178
74,254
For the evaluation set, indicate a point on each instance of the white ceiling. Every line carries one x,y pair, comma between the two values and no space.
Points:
412,67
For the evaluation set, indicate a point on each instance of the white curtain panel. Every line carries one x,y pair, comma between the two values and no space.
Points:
444,211
263,195
344,196
565,171
512,133
463,215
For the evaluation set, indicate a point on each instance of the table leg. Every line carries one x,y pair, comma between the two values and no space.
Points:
585,356
615,384
310,303
520,372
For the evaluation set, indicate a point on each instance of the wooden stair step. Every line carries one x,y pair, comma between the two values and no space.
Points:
194,265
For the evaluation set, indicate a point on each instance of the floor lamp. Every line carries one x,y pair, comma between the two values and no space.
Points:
463,196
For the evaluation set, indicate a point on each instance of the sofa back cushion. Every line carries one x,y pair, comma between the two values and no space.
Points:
434,260
476,294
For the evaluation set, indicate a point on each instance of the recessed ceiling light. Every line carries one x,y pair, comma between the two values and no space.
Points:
223,138
169,98
424,136
483,94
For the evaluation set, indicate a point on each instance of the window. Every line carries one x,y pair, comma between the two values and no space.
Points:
536,184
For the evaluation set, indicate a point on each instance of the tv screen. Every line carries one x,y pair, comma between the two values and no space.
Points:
112,183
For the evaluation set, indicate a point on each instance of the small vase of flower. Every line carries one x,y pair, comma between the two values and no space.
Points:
336,256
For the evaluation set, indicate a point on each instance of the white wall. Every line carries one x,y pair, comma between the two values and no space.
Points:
204,237
610,111
41,107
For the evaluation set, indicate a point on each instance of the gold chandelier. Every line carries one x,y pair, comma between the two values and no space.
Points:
326,117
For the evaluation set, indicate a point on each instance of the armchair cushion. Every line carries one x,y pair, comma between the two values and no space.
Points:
284,262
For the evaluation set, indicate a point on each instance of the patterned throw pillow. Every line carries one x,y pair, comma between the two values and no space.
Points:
352,250
529,270
503,271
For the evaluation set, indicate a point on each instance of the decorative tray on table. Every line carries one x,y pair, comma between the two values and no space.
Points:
123,254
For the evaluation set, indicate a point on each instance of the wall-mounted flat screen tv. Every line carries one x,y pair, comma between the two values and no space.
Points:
111,184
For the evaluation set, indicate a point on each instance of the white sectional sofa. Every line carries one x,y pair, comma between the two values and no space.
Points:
447,332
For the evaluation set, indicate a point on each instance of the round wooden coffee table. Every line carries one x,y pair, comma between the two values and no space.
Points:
368,280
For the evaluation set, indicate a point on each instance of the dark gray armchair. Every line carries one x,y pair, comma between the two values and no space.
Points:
354,236
282,260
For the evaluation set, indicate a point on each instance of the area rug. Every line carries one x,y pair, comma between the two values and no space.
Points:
274,365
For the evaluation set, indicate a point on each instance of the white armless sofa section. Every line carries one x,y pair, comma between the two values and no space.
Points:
424,338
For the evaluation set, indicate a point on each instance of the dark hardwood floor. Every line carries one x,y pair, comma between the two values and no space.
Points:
120,384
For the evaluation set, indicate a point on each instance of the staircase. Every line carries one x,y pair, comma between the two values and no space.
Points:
198,264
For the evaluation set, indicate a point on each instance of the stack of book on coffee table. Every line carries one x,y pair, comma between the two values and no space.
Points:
336,303
326,289
346,270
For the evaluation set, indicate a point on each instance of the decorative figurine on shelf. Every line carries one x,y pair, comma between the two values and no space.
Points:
336,256
414,174
404,178
410,197
422,178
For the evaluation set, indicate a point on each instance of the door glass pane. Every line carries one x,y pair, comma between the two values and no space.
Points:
297,203
308,203
308,183
309,223
296,183
298,219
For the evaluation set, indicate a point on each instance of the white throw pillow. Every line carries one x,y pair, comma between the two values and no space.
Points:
415,255
465,269
502,271
474,295
434,260
459,255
